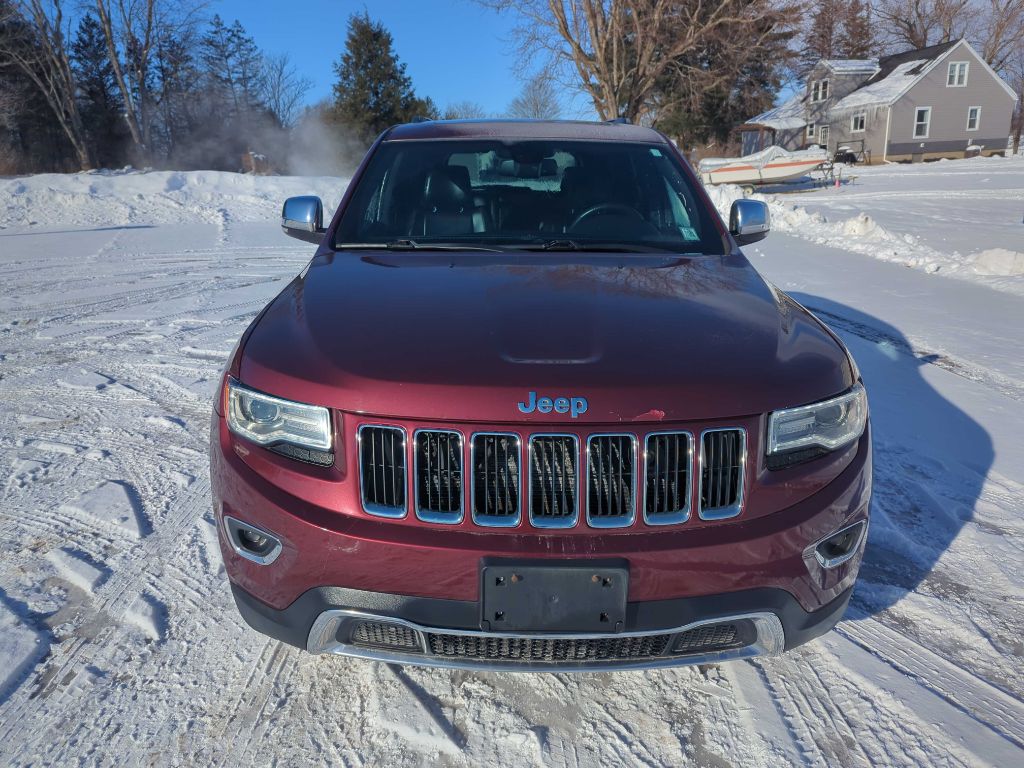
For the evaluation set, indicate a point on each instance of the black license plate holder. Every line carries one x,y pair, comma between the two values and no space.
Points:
588,596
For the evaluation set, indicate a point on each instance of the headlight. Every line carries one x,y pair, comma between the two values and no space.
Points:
269,420
829,424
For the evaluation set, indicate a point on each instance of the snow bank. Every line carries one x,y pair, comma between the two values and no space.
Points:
859,233
999,261
120,198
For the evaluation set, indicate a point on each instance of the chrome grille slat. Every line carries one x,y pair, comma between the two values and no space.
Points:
438,475
611,480
554,477
496,479
723,460
382,474
668,480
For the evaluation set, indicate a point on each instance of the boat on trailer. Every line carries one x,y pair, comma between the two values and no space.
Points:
769,166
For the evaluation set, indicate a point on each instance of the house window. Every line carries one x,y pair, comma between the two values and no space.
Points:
823,136
956,76
973,118
815,90
922,119
810,130
858,121
824,89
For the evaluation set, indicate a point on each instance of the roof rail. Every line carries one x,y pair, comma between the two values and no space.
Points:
619,121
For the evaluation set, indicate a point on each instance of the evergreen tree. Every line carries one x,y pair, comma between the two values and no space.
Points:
856,35
822,39
99,99
373,91
181,97
249,72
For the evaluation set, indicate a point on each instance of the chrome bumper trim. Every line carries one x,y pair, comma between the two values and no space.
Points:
323,638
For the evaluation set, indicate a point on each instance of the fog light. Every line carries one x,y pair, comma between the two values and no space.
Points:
840,546
251,542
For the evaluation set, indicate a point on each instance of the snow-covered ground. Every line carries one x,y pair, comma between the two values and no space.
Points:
962,218
120,296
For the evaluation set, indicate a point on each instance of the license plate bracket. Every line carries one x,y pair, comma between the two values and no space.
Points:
559,596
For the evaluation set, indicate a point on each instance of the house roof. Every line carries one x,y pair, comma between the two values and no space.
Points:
850,66
895,75
789,115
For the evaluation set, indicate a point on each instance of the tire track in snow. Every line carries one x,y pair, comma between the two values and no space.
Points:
112,600
992,707
986,377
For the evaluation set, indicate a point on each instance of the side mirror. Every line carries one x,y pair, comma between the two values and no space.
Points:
303,218
749,221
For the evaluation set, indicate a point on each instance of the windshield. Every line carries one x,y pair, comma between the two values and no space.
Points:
550,194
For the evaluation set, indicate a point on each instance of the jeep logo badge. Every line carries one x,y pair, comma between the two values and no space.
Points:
574,406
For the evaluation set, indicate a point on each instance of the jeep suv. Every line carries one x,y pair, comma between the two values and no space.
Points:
530,407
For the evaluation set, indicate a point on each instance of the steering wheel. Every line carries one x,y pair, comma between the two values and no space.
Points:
603,208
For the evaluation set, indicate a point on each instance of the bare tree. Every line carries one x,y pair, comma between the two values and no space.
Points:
464,110
134,30
284,89
1000,32
35,43
538,99
919,23
619,50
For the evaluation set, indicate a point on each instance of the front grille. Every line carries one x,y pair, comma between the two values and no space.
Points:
721,482
667,477
553,480
709,638
382,634
611,484
496,479
382,470
438,476
542,649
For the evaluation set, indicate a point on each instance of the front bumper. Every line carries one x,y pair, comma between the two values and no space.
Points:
445,633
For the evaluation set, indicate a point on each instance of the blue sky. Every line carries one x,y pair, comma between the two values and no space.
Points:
454,51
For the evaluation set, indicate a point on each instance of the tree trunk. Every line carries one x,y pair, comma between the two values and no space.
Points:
49,70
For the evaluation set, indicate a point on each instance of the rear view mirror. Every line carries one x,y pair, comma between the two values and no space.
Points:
749,221
303,218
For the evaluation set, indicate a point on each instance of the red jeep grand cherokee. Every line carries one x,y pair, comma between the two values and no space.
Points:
529,407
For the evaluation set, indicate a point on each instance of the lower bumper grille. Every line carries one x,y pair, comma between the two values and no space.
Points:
382,634
713,637
384,638
541,649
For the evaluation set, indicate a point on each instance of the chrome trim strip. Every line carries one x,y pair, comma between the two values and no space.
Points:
723,513
378,509
429,516
487,520
616,522
835,562
681,515
323,638
242,552
560,522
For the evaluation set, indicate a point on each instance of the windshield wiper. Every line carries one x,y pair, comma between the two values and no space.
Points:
598,247
413,245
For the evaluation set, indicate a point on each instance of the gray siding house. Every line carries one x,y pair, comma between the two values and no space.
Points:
940,101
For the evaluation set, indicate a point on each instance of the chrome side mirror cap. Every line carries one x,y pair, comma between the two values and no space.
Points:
749,221
303,218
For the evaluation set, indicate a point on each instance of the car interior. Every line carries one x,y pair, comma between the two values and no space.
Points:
523,192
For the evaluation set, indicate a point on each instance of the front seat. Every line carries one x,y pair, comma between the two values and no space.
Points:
447,205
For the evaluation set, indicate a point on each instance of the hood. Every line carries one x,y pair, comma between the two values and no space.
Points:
467,336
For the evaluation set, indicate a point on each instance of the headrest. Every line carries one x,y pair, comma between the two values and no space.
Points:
447,186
